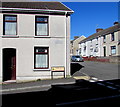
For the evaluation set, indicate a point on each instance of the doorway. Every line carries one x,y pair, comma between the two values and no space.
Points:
9,64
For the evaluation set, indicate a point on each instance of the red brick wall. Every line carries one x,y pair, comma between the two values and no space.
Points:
96,59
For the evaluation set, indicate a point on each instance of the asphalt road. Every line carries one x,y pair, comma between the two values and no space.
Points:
100,70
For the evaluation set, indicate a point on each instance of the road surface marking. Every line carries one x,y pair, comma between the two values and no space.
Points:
81,77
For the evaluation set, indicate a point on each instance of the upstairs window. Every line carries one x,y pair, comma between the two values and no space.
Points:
41,26
10,25
112,37
104,38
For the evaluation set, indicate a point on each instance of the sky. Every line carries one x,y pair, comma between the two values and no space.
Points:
91,14
88,16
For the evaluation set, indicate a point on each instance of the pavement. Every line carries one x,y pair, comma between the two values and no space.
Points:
42,85
11,87
97,72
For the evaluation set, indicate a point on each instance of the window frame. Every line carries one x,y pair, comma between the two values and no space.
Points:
112,36
112,49
12,21
42,22
41,53
104,38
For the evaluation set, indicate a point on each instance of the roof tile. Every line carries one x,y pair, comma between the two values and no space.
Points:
36,5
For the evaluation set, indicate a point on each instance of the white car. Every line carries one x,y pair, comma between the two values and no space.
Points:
77,58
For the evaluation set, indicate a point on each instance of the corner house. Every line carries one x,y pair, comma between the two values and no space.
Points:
34,38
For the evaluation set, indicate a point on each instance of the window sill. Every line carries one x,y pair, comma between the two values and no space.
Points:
42,36
10,36
41,69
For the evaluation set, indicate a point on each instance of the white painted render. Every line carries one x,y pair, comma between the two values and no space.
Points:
1,47
58,42
94,43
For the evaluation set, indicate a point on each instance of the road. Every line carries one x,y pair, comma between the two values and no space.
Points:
100,70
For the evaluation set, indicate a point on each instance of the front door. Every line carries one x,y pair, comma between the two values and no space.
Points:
9,64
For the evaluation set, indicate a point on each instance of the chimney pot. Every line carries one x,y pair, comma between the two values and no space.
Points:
75,37
99,29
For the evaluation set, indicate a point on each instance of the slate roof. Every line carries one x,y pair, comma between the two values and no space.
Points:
103,32
36,5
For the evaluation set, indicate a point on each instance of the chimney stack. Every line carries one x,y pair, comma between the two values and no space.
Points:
99,29
75,37
115,23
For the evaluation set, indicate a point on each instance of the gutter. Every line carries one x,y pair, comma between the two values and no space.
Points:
35,10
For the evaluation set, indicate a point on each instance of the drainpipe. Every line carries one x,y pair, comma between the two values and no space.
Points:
65,44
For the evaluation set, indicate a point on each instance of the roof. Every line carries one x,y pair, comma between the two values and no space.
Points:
103,32
36,5
79,37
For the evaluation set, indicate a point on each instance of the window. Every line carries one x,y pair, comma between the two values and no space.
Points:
84,48
80,51
10,25
112,37
96,40
41,58
113,50
104,38
41,24
96,49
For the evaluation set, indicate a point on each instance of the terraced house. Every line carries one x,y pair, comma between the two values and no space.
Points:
34,39
103,43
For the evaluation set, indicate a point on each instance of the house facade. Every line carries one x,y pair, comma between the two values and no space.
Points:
74,45
104,43
34,37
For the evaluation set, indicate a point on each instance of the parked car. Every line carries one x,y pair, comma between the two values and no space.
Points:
77,58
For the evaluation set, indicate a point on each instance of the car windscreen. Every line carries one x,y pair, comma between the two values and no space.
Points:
77,56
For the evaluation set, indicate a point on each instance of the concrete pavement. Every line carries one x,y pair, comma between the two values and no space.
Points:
33,86
42,85
92,71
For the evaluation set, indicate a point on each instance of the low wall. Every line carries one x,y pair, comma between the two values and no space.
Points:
96,59
115,59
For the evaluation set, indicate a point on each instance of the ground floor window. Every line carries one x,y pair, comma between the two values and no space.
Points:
41,57
113,50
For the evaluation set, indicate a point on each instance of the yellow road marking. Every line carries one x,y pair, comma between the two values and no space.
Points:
82,77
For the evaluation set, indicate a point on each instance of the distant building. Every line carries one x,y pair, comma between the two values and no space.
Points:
103,43
34,37
74,45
